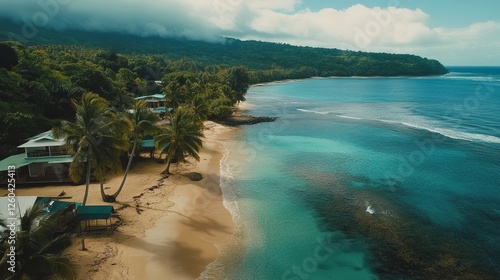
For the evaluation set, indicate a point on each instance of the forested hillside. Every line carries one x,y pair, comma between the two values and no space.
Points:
299,62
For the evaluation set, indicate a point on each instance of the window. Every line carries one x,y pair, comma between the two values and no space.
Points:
33,170
36,169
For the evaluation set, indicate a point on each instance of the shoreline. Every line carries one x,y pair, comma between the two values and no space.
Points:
166,228
186,240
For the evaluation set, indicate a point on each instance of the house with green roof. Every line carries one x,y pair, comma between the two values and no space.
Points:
153,101
45,160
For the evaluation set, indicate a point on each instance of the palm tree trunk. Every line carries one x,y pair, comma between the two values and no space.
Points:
87,182
167,170
126,170
103,194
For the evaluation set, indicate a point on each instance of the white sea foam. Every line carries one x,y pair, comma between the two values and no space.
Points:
369,208
227,186
315,112
474,78
447,132
418,123
216,269
455,134
349,117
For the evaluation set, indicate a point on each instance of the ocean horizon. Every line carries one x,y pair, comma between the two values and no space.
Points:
366,178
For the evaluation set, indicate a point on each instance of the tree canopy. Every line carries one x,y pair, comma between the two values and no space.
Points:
96,139
38,248
300,62
180,138
38,90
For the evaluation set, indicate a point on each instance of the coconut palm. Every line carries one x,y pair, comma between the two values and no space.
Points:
181,138
143,123
200,109
173,94
96,139
38,249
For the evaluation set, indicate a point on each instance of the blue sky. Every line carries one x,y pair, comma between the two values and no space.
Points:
456,32
442,12
446,13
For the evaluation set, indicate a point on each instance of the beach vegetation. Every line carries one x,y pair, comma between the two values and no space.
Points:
96,139
38,248
143,123
180,138
199,107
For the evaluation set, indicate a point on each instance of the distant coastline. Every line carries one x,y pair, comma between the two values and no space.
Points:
274,61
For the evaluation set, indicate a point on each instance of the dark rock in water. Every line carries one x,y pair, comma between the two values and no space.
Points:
194,176
239,119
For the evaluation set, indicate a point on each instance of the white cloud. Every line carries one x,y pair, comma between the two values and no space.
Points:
283,5
357,27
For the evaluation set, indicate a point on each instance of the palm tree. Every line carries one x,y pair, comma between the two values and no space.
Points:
38,249
96,139
143,123
181,138
173,94
200,109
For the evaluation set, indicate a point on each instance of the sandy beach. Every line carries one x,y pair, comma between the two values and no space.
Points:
167,228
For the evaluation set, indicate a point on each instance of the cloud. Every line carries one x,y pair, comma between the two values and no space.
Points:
477,44
358,27
283,5
166,18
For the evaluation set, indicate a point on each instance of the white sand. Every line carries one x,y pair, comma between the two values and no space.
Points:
179,224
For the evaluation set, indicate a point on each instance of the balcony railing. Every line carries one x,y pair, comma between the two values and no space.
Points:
47,154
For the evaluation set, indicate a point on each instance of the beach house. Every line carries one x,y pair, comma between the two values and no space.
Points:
45,160
153,101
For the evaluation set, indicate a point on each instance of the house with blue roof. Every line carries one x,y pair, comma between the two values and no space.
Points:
45,160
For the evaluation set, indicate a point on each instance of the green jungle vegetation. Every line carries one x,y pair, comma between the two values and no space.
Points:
38,83
41,72
39,247
277,61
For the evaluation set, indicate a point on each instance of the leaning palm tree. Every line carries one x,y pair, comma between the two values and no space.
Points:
181,138
38,248
96,139
143,123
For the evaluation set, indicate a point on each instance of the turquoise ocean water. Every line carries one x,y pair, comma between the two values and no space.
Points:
368,178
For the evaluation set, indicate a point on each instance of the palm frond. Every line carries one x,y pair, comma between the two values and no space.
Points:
38,249
32,214
56,245
97,136
46,265
181,138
